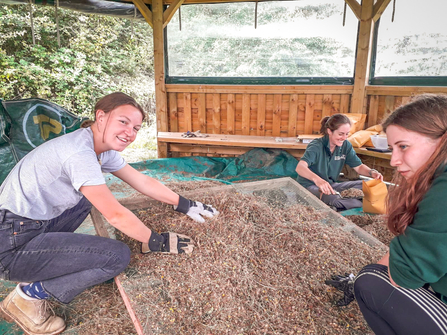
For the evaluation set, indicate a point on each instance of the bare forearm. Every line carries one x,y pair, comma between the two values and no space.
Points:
129,224
363,170
305,172
156,190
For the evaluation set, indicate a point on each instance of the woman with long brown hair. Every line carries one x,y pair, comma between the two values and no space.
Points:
406,292
319,168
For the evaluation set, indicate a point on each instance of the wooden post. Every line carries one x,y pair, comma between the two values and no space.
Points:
367,13
362,62
159,69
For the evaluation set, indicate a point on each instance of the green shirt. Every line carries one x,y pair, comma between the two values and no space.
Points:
325,164
420,255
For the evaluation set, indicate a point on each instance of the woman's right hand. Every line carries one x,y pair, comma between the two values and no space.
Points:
324,186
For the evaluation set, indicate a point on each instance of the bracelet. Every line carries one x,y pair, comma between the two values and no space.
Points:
371,171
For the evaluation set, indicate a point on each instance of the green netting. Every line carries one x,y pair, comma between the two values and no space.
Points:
256,164
25,124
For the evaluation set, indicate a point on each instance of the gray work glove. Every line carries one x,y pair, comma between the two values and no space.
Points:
195,209
345,284
168,243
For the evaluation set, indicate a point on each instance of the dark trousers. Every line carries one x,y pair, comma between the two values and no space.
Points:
66,263
391,310
334,199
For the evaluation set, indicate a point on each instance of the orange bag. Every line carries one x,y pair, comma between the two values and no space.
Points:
357,121
362,138
374,199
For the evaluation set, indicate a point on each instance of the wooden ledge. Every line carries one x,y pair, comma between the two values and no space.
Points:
233,140
223,140
365,152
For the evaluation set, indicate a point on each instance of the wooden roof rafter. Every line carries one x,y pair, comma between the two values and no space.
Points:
146,12
356,8
170,11
378,8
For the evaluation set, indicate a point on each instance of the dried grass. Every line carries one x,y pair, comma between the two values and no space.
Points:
374,225
352,193
256,269
99,310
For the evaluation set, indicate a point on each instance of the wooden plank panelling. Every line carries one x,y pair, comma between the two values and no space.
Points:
373,110
187,111
327,105
293,114
216,113
173,112
201,106
261,115
276,125
245,114
344,103
389,105
405,100
230,114
309,117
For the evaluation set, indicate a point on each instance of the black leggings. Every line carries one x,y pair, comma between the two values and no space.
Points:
396,310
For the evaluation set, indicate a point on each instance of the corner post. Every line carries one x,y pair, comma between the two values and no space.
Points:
159,70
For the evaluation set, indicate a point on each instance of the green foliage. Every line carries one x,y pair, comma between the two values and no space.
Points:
98,55
291,40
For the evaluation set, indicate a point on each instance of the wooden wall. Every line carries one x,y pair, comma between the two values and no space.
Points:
282,111
274,111
382,100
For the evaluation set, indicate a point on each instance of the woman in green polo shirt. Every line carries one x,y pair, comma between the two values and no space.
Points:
319,168
406,292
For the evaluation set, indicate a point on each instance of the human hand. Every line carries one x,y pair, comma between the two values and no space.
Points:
195,209
171,243
324,186
376,174
345,284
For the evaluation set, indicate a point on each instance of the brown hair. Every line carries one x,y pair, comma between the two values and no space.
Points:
425,114
333,122
115,100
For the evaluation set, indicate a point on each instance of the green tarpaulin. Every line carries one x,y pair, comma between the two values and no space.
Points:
27,123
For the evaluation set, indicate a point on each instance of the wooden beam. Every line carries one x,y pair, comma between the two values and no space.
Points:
147,14
261,89
356,8
379,8
362,62
159,71
404,90
169,13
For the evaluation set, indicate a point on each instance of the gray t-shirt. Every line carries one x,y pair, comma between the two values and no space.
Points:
46,181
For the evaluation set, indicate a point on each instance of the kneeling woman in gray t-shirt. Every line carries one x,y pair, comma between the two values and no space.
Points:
48,195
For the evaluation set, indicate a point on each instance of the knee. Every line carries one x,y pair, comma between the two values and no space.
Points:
369,280
121,253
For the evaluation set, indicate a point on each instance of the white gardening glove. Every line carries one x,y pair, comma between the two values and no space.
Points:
195,209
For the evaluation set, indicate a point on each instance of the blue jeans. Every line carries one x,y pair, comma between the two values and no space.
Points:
48,251
334,199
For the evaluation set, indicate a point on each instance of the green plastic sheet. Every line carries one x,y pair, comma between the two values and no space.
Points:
256,164
27,123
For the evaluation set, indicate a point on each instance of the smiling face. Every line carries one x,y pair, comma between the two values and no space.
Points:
119,127
338,136
411,150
